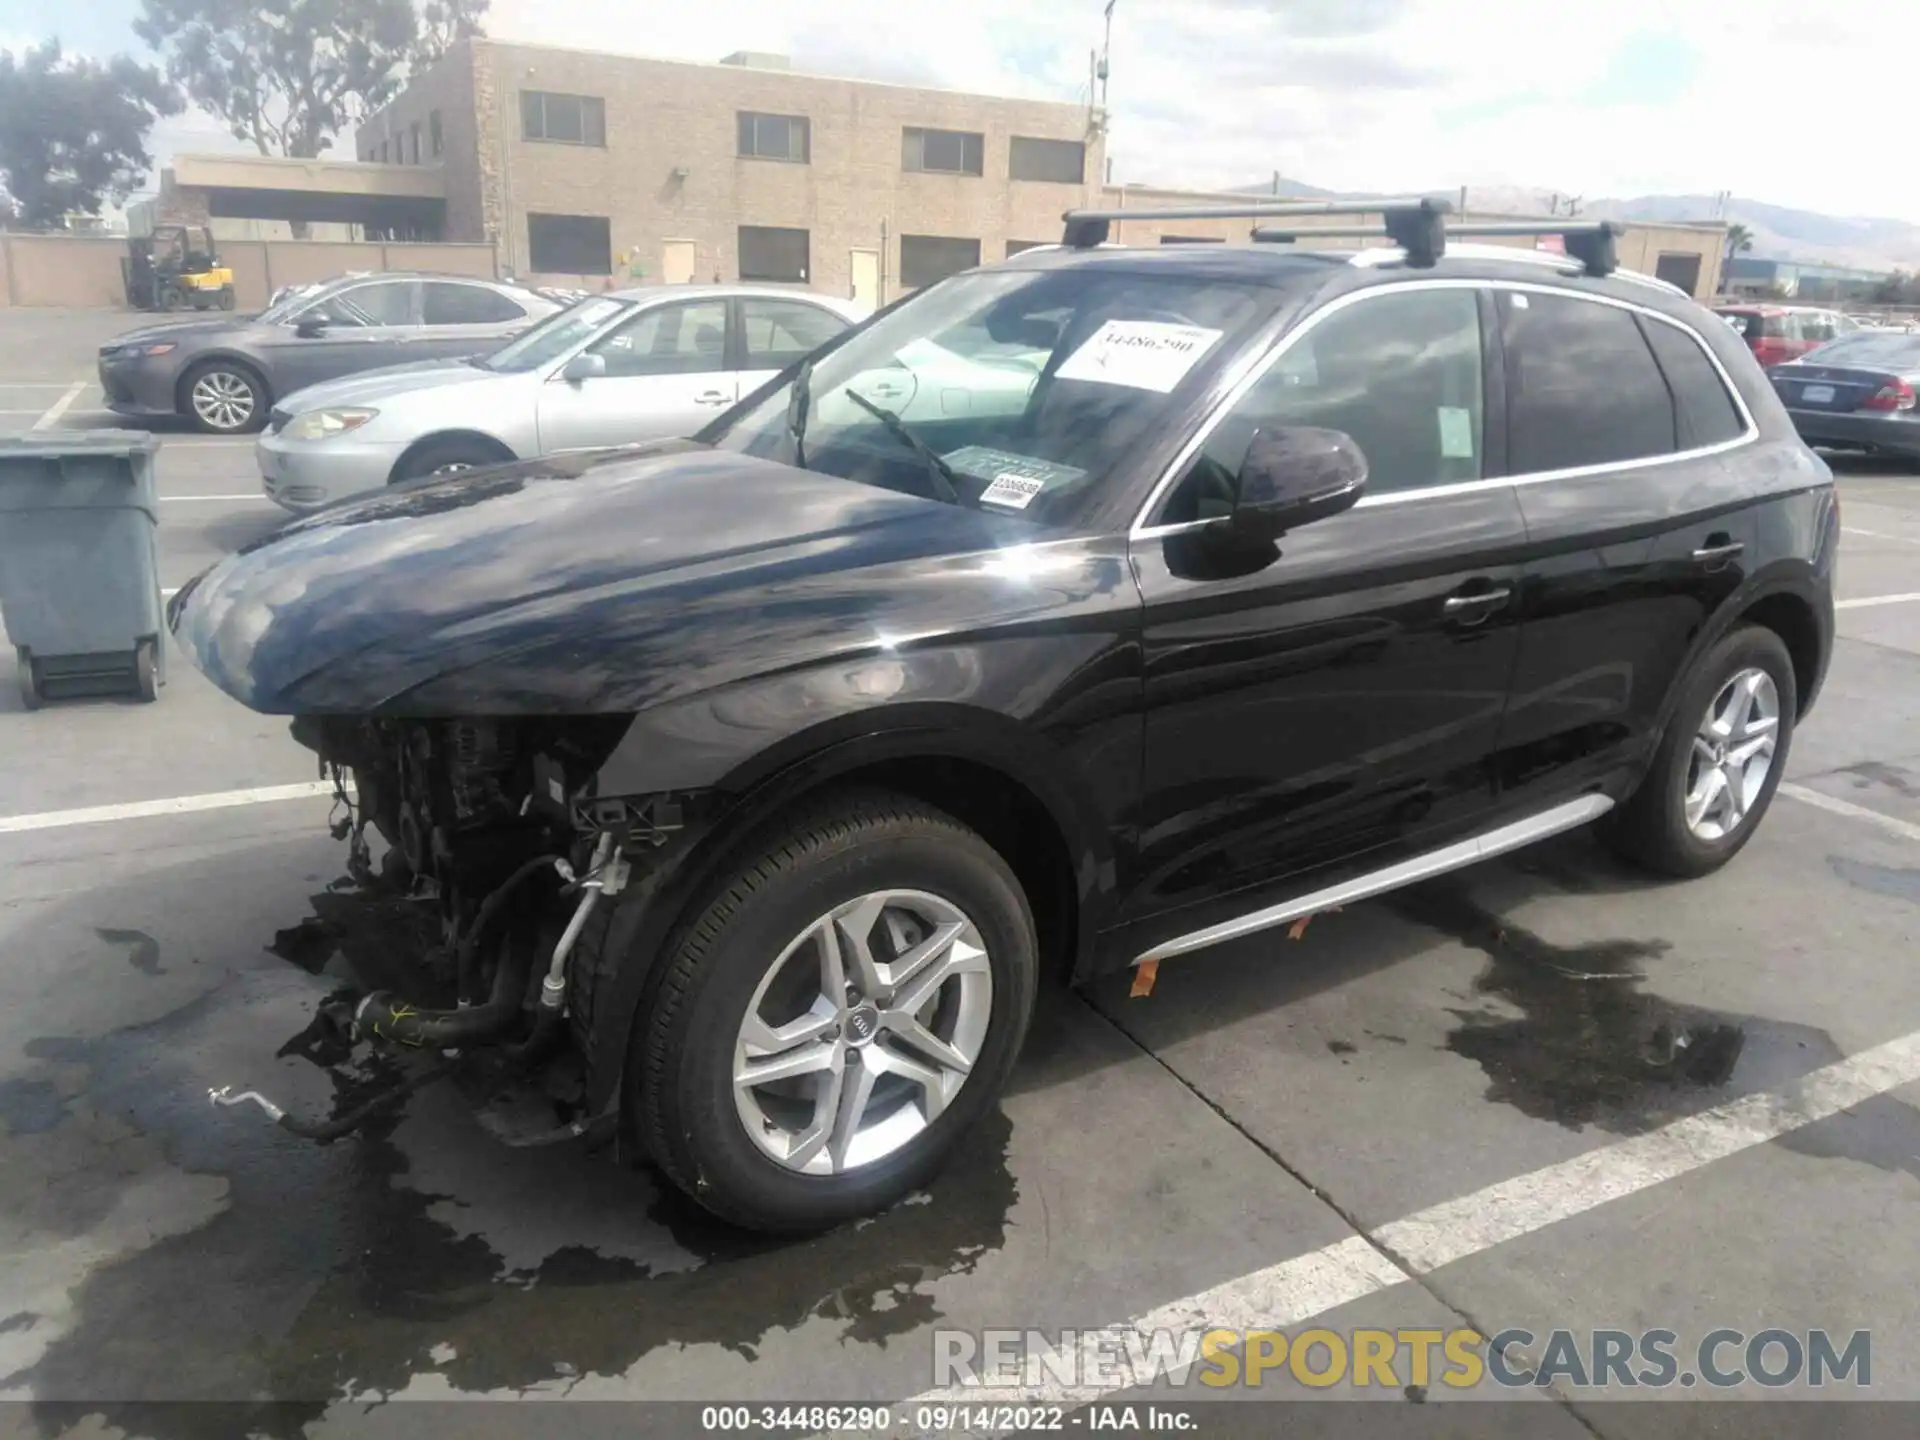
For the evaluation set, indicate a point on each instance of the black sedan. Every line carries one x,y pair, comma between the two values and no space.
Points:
1856,393
225,374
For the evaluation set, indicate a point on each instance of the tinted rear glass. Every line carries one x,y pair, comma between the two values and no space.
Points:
1582,386
1703,409
1891,351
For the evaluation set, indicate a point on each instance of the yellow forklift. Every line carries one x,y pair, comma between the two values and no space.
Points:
174,267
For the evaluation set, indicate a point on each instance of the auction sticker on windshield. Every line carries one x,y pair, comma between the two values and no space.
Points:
1143,354
1013,480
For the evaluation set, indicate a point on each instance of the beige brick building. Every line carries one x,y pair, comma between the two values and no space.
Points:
583,167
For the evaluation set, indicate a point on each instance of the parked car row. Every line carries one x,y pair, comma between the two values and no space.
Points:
614,369
224,374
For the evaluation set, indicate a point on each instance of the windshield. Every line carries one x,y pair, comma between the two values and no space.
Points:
1029,385
555,336
1893,351
297,297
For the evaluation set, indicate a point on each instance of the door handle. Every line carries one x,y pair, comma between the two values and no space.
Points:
1480,601
1714,555
713,397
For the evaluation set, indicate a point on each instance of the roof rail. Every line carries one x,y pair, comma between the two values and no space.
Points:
1417,225
1590,243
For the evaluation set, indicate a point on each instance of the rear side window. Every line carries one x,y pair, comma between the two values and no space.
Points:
1704,412
1582,386
448,304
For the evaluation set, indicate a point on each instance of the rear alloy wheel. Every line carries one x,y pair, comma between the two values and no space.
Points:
833,1022
1718,763
225,399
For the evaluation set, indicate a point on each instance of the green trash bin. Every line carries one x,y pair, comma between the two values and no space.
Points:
79,577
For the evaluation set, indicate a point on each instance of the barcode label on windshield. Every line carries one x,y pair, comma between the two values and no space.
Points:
1016,492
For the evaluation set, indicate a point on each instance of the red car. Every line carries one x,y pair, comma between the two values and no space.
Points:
1778,333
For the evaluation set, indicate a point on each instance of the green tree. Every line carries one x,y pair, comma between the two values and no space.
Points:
290,75
73,131
1739,239
444,23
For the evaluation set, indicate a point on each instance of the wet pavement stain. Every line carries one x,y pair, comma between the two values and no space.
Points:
1590,1046
1342,1047
329,1273
143,951
30,1107
1888,880
1869,773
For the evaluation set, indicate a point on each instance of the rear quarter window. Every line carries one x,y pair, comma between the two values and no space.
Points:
1704,413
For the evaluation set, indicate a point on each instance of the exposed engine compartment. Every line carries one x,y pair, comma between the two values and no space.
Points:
492,825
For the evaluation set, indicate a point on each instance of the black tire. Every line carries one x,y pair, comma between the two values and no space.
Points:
235,376
31,696
226,298
146,680
1651,828
679,1077
447,456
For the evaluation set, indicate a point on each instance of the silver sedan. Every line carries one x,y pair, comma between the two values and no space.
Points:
614,369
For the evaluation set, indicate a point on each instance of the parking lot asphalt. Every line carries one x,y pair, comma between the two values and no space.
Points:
1460,1106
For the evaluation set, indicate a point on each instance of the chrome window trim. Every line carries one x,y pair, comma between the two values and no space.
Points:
1750,430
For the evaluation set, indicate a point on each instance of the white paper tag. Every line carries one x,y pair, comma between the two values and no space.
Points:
1016,492
1143,354
1456,433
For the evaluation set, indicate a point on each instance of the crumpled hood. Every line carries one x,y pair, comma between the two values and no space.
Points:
575,584
370,386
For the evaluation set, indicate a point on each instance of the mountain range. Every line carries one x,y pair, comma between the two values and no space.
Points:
1779,232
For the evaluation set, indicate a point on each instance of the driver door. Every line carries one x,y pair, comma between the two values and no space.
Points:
1344,695
365,326
666,375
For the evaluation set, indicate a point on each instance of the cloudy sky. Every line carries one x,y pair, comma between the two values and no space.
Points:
1775,100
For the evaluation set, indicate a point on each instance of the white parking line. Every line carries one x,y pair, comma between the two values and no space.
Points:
1878,535
1877,600
179,805
1296,1290
1905,829
51,416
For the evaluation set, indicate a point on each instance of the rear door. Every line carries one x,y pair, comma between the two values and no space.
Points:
365,326
1343,697
776,333
1621,428
666,375
460,318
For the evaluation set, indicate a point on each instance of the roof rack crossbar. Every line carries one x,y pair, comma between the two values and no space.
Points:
1421,219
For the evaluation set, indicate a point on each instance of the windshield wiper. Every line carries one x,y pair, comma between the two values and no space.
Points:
799,401
938,470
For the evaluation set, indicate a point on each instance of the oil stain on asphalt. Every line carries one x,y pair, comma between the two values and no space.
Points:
1589,1045
333,1272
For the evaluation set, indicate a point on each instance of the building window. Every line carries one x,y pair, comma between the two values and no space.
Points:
433,132
1192,240
1064,161
947,152
1014,247
563,119
775,137
570,244
770,253
413,144
927,258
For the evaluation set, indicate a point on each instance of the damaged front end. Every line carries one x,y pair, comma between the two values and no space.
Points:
485,831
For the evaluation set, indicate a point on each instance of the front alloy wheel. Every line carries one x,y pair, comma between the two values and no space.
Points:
848,1001
223,400
862,1031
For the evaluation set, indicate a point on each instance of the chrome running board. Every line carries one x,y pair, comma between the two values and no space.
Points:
1421,867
